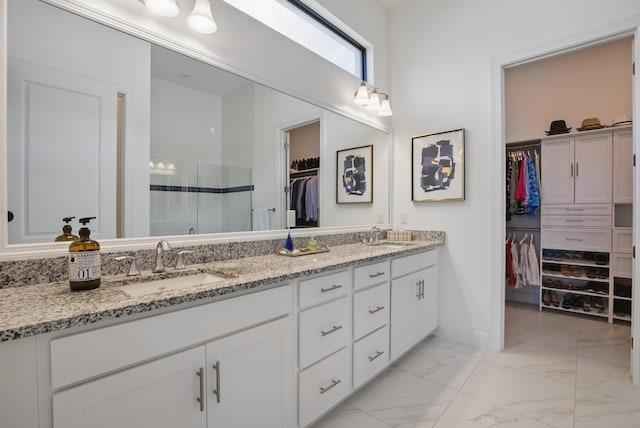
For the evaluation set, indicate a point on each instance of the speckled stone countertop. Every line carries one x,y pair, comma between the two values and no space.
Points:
39,308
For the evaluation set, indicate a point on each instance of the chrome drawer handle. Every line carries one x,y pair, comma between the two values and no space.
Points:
574,209
574,239
333,287
328,332
217,391
375,275
377,309
200,374
574,221
333,384
377,355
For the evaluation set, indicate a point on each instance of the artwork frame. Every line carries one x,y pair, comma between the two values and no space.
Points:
354,175
437,167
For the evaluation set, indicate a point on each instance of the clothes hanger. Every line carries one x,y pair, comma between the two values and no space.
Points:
526,235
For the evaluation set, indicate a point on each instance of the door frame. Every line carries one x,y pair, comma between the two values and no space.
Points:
620,29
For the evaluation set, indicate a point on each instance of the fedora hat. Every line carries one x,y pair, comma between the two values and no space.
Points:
622,119
557,127
590,123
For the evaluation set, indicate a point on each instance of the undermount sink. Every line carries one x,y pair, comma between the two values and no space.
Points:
168,284
390,244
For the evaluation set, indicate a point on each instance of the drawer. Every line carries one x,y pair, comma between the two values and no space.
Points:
370,356
365,276
323,386
621,265
323,288
622,240
404,265
580,239
576,209
323,330
370,310
576,220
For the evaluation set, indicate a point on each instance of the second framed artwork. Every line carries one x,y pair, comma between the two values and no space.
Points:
437,167
354,178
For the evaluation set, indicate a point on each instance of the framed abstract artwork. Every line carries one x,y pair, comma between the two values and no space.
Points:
354,178
437,167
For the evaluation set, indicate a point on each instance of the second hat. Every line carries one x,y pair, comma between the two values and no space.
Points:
590,123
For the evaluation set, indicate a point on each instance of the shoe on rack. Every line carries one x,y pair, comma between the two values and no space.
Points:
586,303
576,271
565,270
554,298
546,297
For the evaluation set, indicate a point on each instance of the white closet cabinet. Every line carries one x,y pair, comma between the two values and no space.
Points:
623,166
577,169
414,300
159,394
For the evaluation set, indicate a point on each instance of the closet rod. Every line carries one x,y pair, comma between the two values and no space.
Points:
523,146
524,229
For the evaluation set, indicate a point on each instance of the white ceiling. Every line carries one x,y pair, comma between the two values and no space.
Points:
392,4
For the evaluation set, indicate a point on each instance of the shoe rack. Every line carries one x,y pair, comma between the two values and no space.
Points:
576,281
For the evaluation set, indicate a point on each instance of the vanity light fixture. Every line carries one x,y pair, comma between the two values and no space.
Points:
166,8
372,100
201,18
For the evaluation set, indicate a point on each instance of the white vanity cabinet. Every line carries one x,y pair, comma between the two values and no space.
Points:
210,384
414,300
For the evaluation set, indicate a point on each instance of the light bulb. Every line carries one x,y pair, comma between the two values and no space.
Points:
374,101
166,8
201,18
362,96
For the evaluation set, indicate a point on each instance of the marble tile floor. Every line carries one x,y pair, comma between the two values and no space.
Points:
557,370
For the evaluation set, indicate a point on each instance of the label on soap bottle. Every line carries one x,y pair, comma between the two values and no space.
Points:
84,266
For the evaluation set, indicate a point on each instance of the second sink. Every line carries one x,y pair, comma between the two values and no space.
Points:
168,284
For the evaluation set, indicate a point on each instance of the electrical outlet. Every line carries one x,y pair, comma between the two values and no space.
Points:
403,218
380,218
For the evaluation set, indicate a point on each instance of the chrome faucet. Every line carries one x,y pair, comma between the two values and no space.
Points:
374,236
162,247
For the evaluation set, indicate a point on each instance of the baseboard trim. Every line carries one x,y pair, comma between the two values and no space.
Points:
476,338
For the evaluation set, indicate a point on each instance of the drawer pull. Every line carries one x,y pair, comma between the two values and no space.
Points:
375,275
574,209
216,391
574,221
328,332
200,374
377,355
377,309
333,287
333,384
574,239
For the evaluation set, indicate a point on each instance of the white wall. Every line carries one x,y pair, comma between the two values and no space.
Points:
441,55
593,82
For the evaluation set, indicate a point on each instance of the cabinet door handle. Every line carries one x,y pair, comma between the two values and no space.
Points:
328,332
418,285
333,287
574,239
333,384
572,170
377,309
375,275
375,356
200,374
216,391
576,169
422,292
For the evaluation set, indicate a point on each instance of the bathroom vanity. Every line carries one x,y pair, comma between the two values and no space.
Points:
274,342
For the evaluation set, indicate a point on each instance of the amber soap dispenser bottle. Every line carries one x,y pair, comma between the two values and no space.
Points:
66,231
84,260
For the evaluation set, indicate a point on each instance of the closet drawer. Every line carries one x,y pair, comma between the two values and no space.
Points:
576,239
405,265
576,220
621,265
323,386
366,276
323,330
370,310
370,356
622,240
323,288
576,209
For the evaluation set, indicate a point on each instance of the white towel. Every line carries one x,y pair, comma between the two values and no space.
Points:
261,219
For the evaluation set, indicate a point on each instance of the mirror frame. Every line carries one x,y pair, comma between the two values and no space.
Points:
25,251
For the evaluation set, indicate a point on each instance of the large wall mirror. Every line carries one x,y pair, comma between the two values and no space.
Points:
155,143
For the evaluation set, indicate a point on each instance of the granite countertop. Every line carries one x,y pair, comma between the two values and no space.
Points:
34,309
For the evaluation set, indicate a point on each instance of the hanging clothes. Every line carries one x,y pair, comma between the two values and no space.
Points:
522,184
304,200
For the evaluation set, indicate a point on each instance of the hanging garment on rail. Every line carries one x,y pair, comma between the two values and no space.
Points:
522,176
522,268
304,198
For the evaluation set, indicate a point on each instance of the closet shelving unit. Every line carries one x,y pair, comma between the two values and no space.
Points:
586,189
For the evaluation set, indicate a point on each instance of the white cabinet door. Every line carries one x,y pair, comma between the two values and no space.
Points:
404,295
593,168
162,393
250,378
623,167
557,171
427,304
